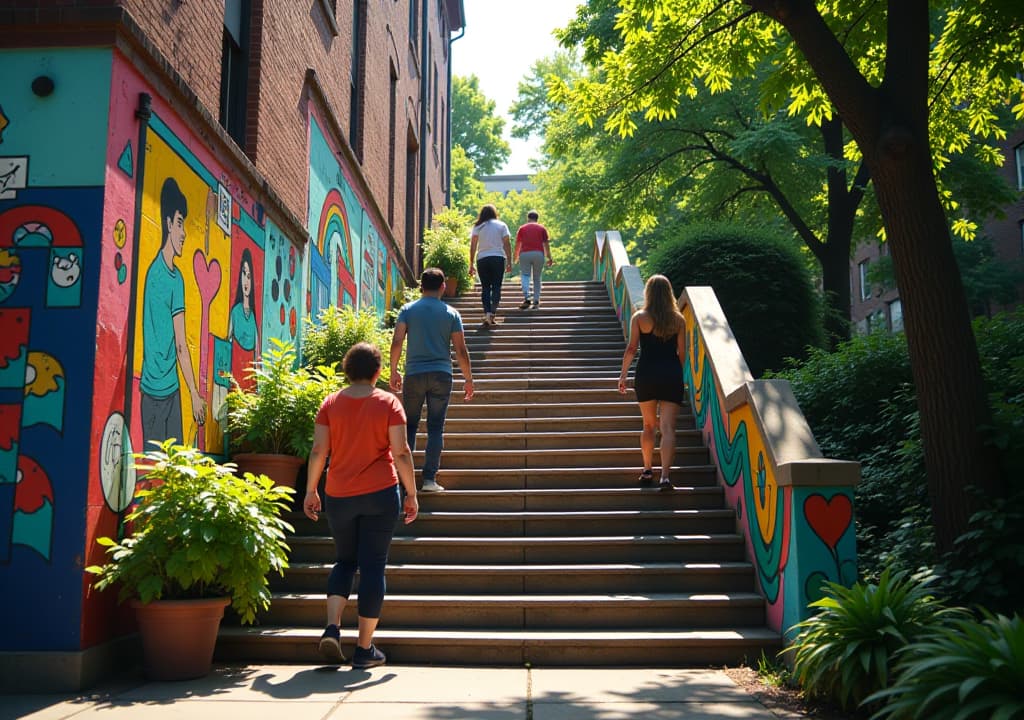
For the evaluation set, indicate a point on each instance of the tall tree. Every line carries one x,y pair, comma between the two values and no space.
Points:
476,127
874,64
533,108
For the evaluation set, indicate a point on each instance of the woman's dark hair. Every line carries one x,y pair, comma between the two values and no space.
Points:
487,212
362,362
239,295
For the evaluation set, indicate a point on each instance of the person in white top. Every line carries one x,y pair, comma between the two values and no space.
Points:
491,250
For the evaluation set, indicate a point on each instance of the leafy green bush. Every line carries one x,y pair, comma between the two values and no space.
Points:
846,651
446,246
761,280
199,531
278,416
336,330
967,671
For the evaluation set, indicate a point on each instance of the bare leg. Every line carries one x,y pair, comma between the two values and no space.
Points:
667,420
367,626
649,410
335,604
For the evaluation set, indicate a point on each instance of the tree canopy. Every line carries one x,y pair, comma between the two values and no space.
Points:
475,126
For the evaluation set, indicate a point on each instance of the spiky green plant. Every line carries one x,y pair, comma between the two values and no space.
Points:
845,652
968,670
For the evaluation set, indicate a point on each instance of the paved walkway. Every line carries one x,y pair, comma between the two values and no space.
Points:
301,692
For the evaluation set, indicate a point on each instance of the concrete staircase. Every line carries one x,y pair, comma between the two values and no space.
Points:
544,548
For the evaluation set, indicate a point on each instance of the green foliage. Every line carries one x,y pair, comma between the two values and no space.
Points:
846,651
475,126
967,671
199,531
772,672
530,112
446,246
468,193
278,416
761,281
336,330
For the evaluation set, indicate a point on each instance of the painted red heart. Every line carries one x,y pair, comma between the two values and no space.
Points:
829,519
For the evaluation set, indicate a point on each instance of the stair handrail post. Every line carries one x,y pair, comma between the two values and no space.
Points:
623,281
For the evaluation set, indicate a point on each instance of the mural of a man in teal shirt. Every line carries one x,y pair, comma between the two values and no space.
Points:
164,348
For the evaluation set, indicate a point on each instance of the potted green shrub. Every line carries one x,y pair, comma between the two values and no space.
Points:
446,246
201,537
271,426
336,330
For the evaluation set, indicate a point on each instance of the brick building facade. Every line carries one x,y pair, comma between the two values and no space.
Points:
182,174
873,305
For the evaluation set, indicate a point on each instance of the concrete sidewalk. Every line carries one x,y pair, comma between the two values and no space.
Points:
396,692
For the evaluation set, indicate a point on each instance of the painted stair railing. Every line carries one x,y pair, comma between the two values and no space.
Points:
793,506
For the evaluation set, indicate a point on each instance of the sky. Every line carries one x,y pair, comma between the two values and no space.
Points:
502,41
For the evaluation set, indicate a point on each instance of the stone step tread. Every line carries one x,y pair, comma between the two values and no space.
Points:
554,600
567,434
543,541
593,470
551,568
505,637
575,514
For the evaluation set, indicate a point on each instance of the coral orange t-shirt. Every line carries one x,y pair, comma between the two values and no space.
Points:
360,452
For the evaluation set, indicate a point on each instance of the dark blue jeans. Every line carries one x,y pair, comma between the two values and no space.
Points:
434,388
362,527
491,271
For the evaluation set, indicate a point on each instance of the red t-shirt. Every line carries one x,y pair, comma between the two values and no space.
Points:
531,237
361,460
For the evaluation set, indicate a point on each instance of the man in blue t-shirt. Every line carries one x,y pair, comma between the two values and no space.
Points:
433,328
163,329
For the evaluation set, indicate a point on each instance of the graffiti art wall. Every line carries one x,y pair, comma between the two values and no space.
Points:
348,263
51,201
139,274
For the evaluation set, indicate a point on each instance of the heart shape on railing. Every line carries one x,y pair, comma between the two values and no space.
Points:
830,518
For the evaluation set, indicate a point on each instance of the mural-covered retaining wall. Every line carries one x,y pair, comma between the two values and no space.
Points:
793,507
140,268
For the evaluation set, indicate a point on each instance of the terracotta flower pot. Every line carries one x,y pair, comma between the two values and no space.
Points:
282,469
179,636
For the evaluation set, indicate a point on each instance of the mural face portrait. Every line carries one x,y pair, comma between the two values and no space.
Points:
176,233
247,283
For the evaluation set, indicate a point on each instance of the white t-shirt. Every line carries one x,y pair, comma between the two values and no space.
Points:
489,236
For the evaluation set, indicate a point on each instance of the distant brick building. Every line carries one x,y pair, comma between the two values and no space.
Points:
182,173
873,305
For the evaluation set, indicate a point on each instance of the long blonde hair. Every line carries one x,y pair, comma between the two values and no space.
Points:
660,304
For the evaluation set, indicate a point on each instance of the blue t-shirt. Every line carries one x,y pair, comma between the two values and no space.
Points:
430,323
164,297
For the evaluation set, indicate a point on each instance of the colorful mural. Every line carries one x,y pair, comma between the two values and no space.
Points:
138,275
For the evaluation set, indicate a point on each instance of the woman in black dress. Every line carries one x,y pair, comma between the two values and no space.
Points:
659,333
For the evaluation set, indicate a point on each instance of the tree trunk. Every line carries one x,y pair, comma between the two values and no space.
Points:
835,284
890,126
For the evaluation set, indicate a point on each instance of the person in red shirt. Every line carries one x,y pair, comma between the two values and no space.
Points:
362,429
532,246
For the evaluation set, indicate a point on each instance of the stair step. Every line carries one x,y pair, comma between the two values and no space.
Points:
560,550
534,458
605,423
458,408
538,440
544,578
566,477
520,612
547,524
552,648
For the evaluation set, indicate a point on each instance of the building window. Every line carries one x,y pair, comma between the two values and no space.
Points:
355,114
435,126
234,68
1018,154
896,315
865,286
392,142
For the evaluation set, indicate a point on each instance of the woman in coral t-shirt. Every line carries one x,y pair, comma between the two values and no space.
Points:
362,429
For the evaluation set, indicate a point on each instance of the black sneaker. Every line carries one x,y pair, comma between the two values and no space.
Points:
647,477
536,304
368,658
330,644
524,304
666,485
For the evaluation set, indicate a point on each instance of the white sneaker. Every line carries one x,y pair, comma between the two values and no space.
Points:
431,486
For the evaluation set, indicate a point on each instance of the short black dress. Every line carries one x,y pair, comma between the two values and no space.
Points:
659,371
